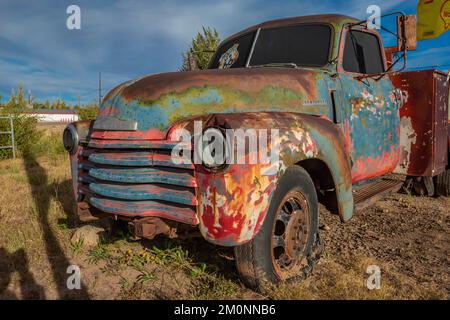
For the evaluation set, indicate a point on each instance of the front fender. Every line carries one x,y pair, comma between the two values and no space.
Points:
233,203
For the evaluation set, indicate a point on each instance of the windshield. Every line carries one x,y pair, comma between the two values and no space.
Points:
302,45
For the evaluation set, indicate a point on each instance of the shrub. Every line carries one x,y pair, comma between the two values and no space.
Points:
88,112
49,144
26,133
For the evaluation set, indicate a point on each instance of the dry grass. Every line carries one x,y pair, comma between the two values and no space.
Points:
24,223
348,282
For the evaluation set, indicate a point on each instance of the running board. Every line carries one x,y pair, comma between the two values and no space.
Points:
368,194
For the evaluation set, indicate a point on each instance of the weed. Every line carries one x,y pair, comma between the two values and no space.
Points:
77,247
212,287
98,253
198,271
63,225
124,282
145,276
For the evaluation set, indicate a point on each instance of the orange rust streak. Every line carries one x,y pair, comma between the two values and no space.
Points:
378,166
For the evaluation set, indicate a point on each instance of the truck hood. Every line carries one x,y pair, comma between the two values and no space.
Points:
153,103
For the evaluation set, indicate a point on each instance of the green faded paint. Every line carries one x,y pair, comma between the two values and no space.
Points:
200,100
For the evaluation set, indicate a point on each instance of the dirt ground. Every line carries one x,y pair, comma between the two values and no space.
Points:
407,237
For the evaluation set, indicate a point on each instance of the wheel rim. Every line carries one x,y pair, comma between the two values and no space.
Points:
290,235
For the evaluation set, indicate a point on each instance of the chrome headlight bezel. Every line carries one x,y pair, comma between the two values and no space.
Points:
71,139
208,163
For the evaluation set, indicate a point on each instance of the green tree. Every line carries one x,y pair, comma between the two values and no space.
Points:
21,101
202,48
47,104
38,105
56,104
12,103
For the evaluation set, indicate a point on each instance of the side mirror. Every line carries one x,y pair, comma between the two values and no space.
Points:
406,38
407,32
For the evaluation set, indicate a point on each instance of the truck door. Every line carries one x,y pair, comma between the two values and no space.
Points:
369,111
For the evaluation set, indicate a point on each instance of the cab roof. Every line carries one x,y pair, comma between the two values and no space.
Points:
336,20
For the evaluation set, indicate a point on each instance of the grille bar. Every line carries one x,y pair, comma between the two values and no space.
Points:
134,144
137,159
143,175
146,209
144,192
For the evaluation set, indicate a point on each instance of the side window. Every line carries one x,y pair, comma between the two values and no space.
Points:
362,53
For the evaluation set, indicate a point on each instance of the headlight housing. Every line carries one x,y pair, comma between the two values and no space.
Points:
70,139
213,149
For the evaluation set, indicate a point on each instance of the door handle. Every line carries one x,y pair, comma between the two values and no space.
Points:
399,96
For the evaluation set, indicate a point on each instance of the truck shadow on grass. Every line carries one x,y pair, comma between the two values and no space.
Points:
209,271
43,191
217,259
63,194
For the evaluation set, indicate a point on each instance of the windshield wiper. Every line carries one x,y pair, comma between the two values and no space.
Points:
280,64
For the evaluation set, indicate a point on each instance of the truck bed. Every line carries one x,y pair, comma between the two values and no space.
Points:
424,119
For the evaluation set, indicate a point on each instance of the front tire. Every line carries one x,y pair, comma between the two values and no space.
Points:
284,248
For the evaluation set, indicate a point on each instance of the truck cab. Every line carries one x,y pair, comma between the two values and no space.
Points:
184,152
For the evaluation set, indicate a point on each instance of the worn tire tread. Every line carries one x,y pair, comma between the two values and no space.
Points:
443,183
251,260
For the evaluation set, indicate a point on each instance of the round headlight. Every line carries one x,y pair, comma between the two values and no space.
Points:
213,149
70,139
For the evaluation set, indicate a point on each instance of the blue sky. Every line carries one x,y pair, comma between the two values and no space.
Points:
127,39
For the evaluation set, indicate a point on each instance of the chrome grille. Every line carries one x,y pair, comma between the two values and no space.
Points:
137,178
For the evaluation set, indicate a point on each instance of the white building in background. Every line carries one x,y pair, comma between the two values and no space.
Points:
51,115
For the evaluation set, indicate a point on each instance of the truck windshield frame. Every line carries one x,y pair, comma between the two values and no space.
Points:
276,46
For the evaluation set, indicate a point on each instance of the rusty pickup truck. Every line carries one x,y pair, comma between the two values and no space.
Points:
340,119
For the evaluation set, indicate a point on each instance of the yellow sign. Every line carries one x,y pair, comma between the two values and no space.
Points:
434,18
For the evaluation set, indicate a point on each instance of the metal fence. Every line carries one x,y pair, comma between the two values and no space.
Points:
11,133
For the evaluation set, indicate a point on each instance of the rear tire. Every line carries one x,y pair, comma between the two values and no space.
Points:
442,182
421,186
287,245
